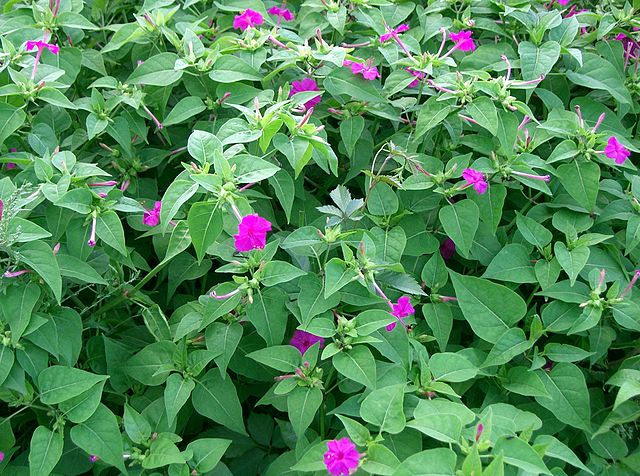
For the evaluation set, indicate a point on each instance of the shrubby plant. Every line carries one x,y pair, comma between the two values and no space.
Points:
321,236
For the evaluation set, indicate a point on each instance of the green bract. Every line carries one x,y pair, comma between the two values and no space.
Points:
385,237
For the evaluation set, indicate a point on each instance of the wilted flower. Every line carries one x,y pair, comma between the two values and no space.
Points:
283,13
306,84
365,69
447,248
475,178
401,309
419,76
248,19
302,340
616,151
463,40
92,237
342,457
252,233
152,217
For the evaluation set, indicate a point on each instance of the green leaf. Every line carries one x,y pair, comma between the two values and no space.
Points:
7,358
598,73
342,82
159,70
532,231
176,195
109,229
311,299
512,264
276,272
11,118
571,261
536,61
178,242
17,305
215,397
82,407
269,315
568,396
205,226
297,150
431,113
136,425
440,320
484,112
79,200
302,405
357,364
183,110
509,345
153,364
336,276
284,358
581,179
207,453
176,394
490,205
350,131
384,408
460,223
433,462
224,338
230,69
58,383
284,187
518,453
163,452
100,436
524,381
450,367
250,169
204,147
382,200
554,448
72,267
45,451
369,321
490,308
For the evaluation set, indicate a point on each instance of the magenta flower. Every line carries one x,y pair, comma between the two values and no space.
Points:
302,340
1,456
307,84
615,150
479,431
447,249
563,2
93,458
365,69
152,217
109,183
283,13
401,309
475,178
15,274
248,19
10,165
252,233
342,457
40,45
392,33
463,40
1,209
419,76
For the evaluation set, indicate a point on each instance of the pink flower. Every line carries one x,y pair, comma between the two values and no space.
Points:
563,2
479,431
365,69
109,183
252,233
10,165
463,40
475,178
419,76
402,309
302,340
41,45
248,19
1,209
447,249
307,84
284,13
15,274
152,217
391,33
1,456
615,150
92,238
342,457
93,458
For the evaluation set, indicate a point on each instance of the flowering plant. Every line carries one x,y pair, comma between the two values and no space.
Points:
319,237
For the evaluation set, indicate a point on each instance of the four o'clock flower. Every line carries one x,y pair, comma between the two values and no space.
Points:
475,178
248,19
302,340
635,277
281,13
447,249
40,45
92,237
152,217
306,84
393,32
419,75
463,40
252,233
401,309
616,151
342,457
365,69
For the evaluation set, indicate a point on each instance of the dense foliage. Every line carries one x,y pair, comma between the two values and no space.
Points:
375,236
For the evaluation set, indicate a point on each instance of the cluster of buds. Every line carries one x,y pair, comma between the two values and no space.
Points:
303,376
